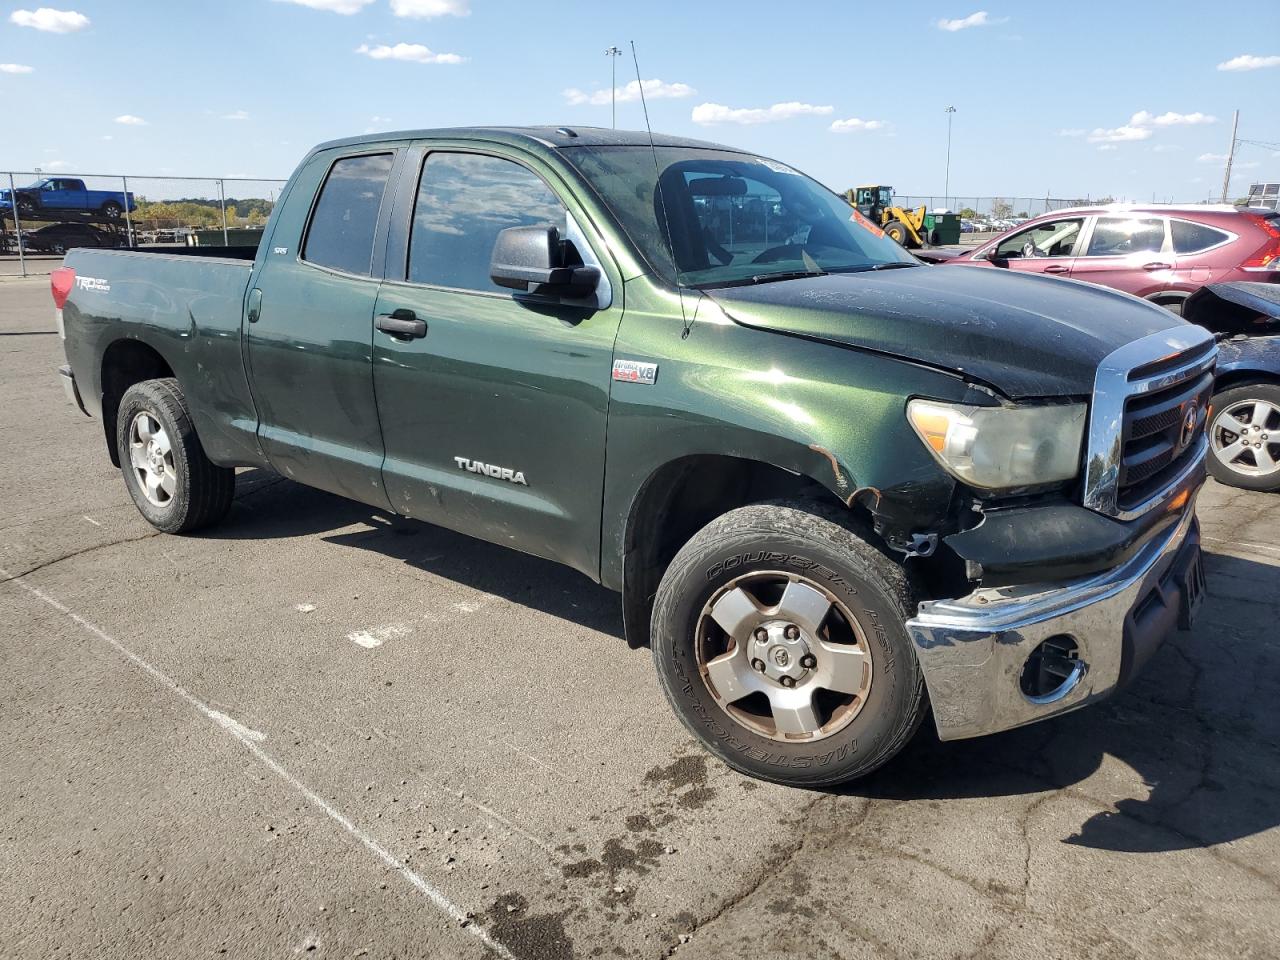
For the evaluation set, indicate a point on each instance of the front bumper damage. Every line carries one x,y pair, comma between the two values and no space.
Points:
973,649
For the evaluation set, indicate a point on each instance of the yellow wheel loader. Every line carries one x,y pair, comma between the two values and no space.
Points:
876,204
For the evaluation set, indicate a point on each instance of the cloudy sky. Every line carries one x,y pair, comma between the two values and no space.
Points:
1068,99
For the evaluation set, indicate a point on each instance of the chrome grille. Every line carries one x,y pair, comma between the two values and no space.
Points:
1147,420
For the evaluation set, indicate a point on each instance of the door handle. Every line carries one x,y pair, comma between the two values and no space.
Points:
402,324
1055,268
254,311
1157,266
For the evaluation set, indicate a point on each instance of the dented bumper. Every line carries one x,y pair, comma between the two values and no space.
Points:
974,650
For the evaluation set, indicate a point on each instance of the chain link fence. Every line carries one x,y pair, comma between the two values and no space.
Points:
57,211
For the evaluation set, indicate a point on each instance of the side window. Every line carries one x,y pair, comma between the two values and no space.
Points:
464,201
1053,238
1120,236
1191,237
346,214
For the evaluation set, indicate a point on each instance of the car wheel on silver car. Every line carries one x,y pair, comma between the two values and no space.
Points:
778,636
1244,436
172,481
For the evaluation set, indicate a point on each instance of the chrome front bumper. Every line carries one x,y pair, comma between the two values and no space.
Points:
973,649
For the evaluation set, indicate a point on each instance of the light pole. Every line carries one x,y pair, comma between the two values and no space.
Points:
947,188
613,53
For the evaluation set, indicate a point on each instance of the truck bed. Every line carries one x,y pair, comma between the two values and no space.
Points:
186,306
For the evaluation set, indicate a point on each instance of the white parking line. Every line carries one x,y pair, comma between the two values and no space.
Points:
243,736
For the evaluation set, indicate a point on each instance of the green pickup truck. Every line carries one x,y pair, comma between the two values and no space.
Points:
837,490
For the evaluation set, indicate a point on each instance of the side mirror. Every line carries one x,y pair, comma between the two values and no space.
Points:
536,260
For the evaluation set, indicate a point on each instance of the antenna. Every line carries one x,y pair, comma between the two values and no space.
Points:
662,202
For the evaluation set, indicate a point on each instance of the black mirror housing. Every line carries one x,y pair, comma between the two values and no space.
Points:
533,260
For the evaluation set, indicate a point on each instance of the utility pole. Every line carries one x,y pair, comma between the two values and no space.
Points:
613,53
947,189
1231,156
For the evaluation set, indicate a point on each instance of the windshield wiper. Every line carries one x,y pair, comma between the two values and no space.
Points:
891,266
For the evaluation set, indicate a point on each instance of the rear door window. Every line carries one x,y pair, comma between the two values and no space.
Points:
345,217
1191,237
1121,236
464,201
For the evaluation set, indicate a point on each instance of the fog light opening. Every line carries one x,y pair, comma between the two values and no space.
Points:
1053,670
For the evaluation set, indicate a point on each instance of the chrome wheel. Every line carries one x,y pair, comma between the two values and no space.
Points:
151,457
1245,437
783,657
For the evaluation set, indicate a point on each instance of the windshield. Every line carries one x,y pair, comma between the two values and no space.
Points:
728,218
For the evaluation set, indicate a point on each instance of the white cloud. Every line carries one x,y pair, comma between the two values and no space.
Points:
16,68
707,114
411,52
1165,148
425,9
50,20
107,136
979,19
55,165
1107,146
1144,119
236,115
1072,132
129,120
1247,61
855,125
344,7
653,90
379,119
1122,134
1212,158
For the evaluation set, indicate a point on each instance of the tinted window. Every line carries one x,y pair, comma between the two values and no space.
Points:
1053,238
1190,237
1119,236
346,215
464,201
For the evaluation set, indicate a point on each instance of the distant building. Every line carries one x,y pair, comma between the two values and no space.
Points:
1265,195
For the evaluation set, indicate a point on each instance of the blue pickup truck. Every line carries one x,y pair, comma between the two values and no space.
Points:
52,197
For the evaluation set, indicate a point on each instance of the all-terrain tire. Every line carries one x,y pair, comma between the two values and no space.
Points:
201,491
804,540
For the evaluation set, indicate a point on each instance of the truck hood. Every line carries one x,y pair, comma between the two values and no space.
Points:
1025,335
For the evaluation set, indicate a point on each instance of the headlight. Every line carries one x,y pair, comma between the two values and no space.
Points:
996,448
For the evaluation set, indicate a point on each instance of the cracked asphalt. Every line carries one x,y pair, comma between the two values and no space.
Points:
322,731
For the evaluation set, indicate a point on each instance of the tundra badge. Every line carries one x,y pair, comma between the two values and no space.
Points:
489,470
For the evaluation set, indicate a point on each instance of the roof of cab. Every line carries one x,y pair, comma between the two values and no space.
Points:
533,137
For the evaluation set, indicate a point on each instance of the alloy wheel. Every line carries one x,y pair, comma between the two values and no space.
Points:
1245,437
151,458
783,657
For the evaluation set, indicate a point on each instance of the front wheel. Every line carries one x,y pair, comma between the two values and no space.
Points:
779,639
1244,436
171,479
112,210
898,232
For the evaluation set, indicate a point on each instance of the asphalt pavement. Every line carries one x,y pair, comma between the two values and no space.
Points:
319,730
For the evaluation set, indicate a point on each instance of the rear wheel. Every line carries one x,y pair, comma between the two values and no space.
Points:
779,639
172,482
1244,436
26,207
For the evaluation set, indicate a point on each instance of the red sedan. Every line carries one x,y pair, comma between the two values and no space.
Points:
1161,253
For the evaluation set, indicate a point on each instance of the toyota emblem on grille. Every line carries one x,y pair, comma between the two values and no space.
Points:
1189,421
